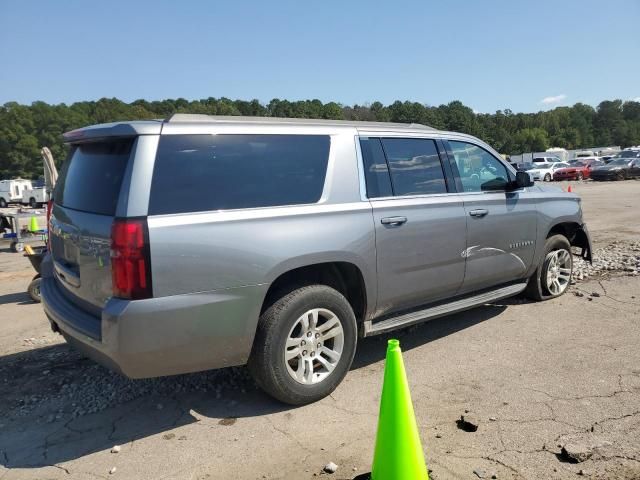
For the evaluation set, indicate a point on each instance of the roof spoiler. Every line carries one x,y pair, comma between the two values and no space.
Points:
116,129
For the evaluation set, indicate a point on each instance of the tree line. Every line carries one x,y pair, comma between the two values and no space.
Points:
24,129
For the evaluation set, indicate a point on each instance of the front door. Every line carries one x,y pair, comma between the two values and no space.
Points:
420,225
501,225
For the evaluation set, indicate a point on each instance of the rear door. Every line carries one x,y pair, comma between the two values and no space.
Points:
501,225
419,223
85,203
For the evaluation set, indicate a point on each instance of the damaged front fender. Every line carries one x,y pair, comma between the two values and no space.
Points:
582,240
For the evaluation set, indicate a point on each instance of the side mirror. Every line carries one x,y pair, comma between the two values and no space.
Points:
522,180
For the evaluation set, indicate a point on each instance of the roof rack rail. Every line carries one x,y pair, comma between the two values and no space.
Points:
201,118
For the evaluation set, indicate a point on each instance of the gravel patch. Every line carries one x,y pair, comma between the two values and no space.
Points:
59,383
618,257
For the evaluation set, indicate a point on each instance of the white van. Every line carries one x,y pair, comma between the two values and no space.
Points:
11,191
35,197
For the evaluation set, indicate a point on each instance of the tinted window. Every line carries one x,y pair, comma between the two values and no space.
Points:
478,169
219,172
415,166
92,176
376,172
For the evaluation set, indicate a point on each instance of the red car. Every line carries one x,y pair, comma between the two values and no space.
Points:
575,171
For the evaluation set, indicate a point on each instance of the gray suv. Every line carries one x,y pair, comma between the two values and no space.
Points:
203,242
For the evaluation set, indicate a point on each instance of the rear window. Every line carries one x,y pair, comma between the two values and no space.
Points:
415,166
91,178
222,172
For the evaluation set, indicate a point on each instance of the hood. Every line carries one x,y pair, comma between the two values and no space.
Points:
543,187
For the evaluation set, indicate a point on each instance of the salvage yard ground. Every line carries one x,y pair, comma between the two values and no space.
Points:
554,388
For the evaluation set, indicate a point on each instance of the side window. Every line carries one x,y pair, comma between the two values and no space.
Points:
478,169
220,172
376,172
415,166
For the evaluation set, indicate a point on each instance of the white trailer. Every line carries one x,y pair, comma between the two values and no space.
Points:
11,191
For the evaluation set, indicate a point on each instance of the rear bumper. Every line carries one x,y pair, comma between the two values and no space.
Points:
160,336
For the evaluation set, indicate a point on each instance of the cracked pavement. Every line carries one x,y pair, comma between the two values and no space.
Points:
538,376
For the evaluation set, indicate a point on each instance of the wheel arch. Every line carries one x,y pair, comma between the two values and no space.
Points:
344,276
577,235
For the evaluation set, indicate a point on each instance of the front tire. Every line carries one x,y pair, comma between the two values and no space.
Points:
33,203
3,203
553,276
547,178
579,177
304,345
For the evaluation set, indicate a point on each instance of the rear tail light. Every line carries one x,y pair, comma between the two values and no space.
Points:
130,259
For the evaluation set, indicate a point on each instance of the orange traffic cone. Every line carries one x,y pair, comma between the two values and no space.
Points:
569,189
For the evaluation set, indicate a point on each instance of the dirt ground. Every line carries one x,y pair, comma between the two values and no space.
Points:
536,376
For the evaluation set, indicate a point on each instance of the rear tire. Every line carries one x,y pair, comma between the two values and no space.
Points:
33,203
17,247
580,176
547,177
34,289
3,203
284,361
553,275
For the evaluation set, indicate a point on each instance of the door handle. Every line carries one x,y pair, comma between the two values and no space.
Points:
479,212
393,221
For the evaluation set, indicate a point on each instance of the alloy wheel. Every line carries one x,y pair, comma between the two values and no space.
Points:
558,273
314,346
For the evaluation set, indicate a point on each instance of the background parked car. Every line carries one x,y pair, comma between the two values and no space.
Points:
544,171
583,154
576,170
545,160
628,153
618,169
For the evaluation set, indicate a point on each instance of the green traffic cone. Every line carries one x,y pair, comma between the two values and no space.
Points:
398,454
33,225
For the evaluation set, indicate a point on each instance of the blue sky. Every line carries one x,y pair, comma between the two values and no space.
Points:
489,54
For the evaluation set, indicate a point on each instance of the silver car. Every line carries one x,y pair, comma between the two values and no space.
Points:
203,242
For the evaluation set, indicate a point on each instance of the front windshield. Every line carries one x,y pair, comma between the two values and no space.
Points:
619,161
560,165
578,164
627,154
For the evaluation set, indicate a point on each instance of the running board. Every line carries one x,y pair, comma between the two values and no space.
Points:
418,316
